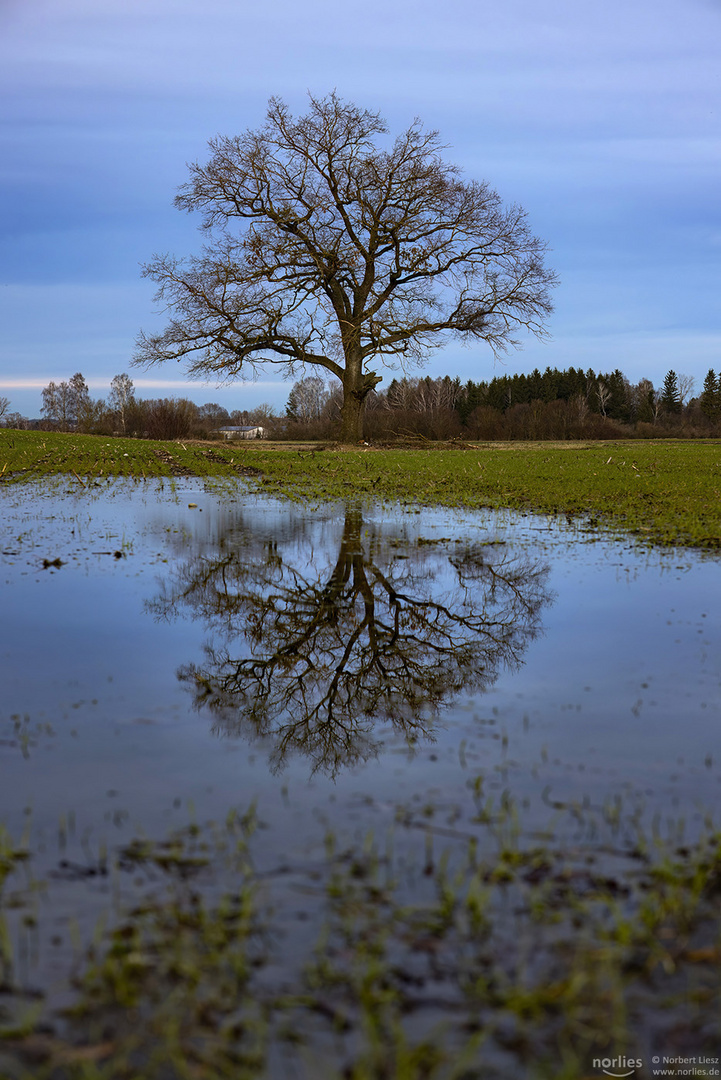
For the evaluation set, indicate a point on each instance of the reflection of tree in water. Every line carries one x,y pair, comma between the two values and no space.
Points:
390,632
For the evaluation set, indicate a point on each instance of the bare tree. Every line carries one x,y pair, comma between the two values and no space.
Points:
579,408
55,406
604,396
170,418
66,403
424,406
686,385
307,399
327,248
122,398
15,420
263,415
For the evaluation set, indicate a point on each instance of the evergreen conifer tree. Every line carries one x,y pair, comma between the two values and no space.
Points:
670,395
710,400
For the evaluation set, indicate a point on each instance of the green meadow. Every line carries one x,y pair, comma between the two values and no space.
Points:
664,492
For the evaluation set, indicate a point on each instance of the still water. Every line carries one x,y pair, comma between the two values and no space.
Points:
174,650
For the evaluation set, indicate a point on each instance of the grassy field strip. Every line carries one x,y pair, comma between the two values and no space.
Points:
666,492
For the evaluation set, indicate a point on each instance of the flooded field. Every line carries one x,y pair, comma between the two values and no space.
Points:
498,719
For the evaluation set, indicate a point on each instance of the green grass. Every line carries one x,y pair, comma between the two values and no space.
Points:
665,492
30,455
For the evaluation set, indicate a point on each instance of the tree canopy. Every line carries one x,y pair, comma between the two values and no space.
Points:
329,246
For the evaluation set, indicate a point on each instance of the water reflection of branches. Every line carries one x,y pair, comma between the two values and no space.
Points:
388,633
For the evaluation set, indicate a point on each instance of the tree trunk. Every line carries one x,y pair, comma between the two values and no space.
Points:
356,388
351,417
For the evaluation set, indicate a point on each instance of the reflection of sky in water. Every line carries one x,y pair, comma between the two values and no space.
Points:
622,685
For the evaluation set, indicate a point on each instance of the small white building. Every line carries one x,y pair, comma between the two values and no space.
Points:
246,432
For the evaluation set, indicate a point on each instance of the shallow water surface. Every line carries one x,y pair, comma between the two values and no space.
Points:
254,644
170,652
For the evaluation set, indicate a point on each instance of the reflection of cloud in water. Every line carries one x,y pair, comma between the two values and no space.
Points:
312,653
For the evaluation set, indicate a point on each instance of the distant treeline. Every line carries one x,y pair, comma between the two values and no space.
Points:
67,406
571,404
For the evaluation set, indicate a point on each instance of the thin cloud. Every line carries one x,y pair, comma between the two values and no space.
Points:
40,382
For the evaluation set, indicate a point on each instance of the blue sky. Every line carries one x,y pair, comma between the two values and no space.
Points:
602,120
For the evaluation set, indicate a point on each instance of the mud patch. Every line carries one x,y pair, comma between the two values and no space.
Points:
219,459
176,469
